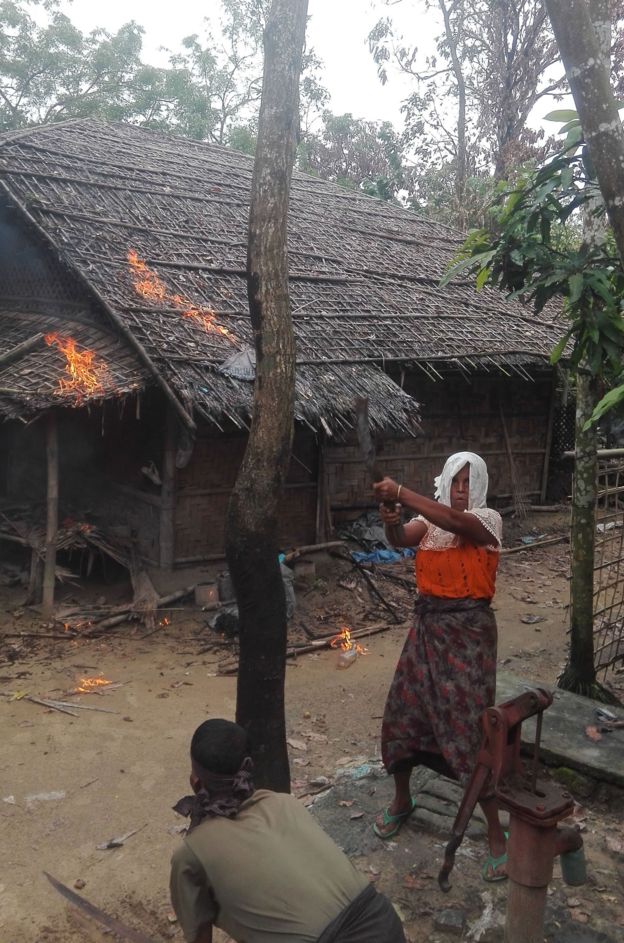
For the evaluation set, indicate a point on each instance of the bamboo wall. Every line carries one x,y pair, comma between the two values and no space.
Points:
457,416
203,491
102,453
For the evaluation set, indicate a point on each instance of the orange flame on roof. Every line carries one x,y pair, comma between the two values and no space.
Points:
346,643
148,284
86,376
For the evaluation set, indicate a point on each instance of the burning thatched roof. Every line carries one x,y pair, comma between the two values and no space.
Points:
154,229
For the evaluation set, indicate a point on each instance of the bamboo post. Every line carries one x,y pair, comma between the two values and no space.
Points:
580,673
49,569
549,435
167,494
320,530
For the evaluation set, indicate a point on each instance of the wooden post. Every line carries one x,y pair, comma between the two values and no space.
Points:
549,435
579,675
320,492
167,493
49,569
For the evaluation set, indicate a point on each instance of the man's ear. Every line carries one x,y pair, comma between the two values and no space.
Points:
195,782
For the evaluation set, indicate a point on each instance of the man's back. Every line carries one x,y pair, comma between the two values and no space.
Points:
269,872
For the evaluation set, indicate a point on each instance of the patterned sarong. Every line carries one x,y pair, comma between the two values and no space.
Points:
445,679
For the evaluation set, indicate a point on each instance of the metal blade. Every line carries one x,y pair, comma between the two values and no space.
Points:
111,923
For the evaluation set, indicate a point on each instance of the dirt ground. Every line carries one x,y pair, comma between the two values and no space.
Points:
70,783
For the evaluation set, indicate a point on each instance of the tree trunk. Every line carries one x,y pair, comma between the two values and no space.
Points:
49,568
461,169
580,675
251,533
595,102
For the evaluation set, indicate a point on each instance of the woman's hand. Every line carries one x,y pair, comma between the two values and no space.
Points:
386,490
390,516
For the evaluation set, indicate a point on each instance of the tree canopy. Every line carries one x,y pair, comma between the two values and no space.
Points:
467,114
209,90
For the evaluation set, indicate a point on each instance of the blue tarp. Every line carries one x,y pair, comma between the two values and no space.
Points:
382,556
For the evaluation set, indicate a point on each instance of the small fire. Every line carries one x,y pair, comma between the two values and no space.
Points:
90,685
86,376
150,286
76,626
346,643
164,622
69,523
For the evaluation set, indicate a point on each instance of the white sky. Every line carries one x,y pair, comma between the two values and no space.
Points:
337,30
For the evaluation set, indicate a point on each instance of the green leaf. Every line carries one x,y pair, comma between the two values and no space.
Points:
482,277
569,126
599,284
561,114
466,265
611,399
559,347
575,287
574,137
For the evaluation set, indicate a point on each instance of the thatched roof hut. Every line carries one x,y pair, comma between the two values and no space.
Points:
131,245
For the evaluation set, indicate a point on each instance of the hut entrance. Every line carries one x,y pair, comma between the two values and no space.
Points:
609,564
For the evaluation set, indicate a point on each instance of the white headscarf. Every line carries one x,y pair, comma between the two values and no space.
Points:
478,479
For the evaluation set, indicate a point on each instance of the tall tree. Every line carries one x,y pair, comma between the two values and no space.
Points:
528,258
588,68
363,155
472,94
51,72
251,535
590,82
223,73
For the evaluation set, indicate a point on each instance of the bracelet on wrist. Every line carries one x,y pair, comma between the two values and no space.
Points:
399,492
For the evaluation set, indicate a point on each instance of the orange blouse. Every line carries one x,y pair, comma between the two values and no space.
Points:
466,571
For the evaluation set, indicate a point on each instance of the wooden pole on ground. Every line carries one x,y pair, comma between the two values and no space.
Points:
52,514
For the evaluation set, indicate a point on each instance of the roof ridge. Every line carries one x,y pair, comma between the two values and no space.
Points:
7,137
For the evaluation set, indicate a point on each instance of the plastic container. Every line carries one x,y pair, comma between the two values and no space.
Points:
346,658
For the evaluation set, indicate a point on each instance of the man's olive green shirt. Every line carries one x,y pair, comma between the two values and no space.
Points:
270,874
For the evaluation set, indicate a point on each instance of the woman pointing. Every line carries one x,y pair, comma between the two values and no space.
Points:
446,675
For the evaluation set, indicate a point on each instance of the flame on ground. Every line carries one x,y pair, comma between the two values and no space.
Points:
86,375
148,284
164,622
76,626
89,685
346,643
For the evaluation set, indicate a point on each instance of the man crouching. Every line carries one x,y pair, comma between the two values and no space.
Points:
256,864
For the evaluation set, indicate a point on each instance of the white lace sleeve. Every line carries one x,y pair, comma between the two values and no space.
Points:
493,522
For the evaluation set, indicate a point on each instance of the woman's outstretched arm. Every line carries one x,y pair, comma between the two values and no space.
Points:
464,525
397,533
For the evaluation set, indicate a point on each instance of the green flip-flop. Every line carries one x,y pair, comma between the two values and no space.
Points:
396,820
494,863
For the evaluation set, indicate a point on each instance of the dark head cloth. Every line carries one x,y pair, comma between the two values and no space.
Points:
219,795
